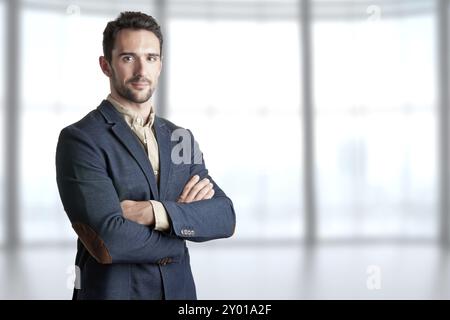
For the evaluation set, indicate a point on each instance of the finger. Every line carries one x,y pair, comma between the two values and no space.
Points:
126,204
191,183
201,194
209,195
199,186
196,189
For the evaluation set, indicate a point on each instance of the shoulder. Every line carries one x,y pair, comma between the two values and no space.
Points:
90,131
166,124
171,127
92,124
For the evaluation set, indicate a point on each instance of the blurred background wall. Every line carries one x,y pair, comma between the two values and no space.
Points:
326,122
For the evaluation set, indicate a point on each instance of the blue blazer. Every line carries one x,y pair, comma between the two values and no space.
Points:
99,163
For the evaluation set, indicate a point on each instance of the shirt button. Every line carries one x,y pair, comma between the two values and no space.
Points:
155,172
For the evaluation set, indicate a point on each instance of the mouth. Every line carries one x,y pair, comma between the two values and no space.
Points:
140,85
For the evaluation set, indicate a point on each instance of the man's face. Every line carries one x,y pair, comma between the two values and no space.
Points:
135,65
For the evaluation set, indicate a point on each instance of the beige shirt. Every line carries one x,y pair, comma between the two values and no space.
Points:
144,130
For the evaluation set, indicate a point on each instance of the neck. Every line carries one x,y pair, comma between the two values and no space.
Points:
142,108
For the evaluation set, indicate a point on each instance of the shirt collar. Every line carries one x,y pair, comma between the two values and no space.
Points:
133,118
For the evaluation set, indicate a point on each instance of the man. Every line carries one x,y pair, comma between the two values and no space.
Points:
133,184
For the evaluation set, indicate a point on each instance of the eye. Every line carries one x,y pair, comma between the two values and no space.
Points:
127,58
153,58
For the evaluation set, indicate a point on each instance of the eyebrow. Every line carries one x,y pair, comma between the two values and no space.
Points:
134,54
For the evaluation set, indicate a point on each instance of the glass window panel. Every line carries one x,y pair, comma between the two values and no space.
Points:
375,106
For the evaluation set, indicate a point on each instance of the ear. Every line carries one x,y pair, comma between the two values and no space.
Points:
104,65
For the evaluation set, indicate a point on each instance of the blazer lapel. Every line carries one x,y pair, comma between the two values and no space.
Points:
165,161
131,142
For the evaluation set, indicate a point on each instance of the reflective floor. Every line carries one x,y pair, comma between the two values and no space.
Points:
285,271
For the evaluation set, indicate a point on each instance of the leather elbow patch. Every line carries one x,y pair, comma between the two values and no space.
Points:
92,242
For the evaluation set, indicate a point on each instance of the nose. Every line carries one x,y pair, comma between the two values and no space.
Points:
140,67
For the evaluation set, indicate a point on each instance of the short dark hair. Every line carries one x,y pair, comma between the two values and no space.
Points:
129,20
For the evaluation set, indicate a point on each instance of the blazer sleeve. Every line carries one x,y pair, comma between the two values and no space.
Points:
93,207
203,220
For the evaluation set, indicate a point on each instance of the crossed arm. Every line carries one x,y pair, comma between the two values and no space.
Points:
110,233
143,212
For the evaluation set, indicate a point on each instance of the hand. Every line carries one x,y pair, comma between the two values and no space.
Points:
138,211
196,190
